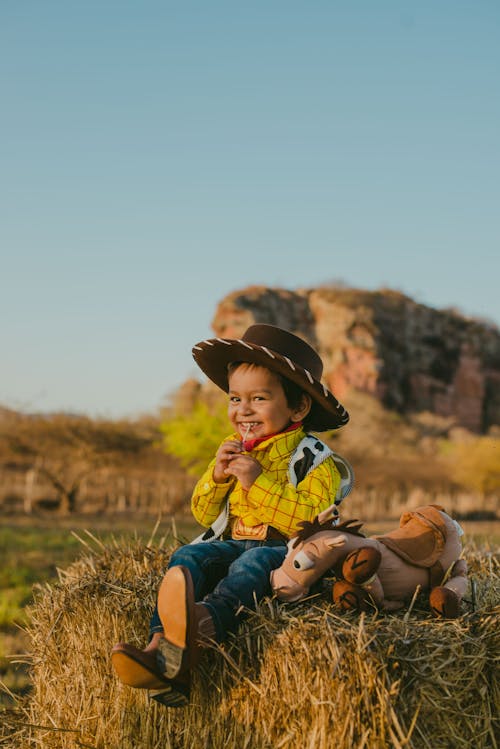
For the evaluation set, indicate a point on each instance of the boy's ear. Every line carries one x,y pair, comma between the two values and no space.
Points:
300,413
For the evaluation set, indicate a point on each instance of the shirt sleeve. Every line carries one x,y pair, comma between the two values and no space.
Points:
284,506
208,497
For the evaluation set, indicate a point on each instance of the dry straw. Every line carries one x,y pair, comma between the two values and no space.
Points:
297,675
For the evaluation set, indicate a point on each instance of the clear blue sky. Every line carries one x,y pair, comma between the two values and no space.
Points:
158,155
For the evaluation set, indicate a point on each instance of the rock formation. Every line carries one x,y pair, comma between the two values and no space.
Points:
413,358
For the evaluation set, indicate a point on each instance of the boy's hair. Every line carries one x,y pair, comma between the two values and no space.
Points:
293,392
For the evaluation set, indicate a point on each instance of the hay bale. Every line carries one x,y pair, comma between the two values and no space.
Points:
293,676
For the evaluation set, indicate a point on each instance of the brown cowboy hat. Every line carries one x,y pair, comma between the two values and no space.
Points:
282,352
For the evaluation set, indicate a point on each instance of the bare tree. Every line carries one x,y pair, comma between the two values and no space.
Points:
64,449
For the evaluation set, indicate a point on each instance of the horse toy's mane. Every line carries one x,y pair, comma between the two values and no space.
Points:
309,528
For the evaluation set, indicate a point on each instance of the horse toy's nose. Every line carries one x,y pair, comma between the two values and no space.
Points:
285,588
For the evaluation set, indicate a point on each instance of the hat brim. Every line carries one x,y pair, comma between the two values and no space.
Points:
214,355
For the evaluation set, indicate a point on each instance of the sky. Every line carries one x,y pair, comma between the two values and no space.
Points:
156,156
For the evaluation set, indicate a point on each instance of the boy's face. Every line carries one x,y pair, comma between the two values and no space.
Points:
257,403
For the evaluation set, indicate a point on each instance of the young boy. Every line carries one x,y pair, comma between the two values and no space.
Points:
272,378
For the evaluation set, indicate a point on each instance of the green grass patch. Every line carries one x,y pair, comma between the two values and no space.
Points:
12,603
28,556
31,554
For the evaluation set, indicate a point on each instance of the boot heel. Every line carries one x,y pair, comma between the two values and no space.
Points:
172,696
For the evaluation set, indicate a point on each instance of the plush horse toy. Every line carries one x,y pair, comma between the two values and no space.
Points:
381,571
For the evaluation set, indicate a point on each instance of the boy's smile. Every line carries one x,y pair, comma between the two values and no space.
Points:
257,402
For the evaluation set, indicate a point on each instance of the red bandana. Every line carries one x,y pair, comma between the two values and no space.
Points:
248,445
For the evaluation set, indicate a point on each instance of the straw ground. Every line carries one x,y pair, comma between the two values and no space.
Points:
302,675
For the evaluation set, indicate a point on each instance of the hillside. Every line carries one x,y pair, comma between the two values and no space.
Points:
411,357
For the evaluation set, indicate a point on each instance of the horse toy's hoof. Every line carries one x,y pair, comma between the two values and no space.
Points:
361,564
351,597
444,603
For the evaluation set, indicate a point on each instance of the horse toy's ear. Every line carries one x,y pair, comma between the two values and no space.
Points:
331,543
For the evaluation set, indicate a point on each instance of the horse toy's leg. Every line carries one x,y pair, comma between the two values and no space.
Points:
360,589
445,599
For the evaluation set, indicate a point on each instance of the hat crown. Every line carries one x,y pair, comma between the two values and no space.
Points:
285,344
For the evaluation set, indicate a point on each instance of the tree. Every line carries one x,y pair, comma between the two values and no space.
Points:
476,464
193,436
64,448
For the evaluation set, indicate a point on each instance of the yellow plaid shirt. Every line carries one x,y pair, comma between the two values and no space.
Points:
271,499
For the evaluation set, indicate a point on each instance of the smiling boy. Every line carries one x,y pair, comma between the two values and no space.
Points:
273,381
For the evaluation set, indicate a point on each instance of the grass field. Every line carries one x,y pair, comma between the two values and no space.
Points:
33,549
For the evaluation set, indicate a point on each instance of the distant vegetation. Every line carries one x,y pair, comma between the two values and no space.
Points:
68,463
194,426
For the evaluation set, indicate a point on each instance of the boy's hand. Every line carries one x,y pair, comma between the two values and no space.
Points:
245,468
225,453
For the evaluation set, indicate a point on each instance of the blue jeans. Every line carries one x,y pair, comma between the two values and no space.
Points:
226,576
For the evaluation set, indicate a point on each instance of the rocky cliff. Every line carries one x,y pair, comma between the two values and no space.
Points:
411,357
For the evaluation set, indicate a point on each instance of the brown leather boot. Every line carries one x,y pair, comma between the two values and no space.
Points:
145,669
141,669
187,625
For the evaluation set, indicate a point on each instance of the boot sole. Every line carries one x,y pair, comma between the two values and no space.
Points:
174,598
135,674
